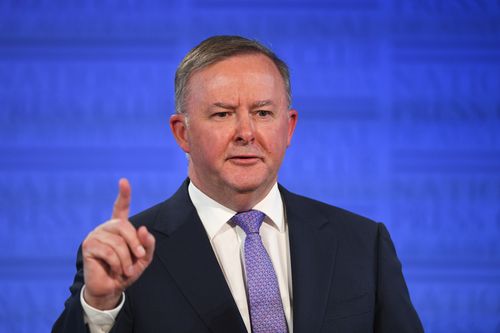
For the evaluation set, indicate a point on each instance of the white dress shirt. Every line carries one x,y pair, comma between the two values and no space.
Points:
227,241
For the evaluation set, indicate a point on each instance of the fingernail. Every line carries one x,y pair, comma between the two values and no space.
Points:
140,251
130,270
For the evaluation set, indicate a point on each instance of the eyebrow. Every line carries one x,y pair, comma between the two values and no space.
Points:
265,102
224,106
256,104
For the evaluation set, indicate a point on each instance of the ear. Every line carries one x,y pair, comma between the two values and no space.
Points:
178,125
292,122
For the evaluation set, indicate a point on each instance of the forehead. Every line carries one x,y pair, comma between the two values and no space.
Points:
237,76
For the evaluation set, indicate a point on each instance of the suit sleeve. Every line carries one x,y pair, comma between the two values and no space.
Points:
71,320
394,310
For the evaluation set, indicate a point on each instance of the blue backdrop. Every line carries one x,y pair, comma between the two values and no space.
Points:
399,120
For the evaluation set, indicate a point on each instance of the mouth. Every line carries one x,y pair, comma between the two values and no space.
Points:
244,159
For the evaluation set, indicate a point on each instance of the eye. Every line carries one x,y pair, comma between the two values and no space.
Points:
264,113
221,114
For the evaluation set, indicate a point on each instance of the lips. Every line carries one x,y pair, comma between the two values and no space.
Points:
244,159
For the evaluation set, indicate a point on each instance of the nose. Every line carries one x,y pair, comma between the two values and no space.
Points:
245,129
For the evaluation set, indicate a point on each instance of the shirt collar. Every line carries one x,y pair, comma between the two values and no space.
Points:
214,216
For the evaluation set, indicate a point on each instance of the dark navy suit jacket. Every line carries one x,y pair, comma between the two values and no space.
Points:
345,273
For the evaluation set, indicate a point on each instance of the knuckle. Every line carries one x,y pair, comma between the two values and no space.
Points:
85,243
109,253
100,228
128,226
123,252
120,243
113,222
112,226
88,242
129,232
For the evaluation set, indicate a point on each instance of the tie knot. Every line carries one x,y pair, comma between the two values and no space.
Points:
249,221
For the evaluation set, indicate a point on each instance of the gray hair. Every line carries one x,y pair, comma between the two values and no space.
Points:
218,48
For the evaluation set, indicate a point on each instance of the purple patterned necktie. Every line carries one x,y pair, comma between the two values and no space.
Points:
266,309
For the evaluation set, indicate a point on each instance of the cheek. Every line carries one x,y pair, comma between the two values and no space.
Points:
275,139
210,144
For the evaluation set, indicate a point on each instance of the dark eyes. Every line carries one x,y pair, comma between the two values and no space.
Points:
221,114
258,113
264,113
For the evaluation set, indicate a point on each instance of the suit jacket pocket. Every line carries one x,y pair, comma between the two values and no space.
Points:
351,306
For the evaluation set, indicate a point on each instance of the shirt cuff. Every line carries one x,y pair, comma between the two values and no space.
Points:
99,318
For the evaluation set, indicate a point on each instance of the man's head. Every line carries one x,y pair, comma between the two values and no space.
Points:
234,121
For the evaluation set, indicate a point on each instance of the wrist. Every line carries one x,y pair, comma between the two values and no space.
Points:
103,303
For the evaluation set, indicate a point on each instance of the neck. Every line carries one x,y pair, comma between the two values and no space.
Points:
239,201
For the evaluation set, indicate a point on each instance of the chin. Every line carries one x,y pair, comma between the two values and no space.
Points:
244,186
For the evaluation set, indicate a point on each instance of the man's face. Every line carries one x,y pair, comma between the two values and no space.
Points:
238,126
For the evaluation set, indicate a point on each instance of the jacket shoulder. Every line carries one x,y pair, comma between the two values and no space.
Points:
340,217
147,216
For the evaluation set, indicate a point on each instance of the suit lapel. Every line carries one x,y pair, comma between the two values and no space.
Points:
185,250
312,249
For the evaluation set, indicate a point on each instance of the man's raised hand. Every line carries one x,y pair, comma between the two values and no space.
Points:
115,254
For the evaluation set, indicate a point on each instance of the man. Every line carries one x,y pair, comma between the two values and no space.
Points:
232,251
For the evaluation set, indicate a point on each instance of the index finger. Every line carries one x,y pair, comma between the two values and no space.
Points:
121,207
